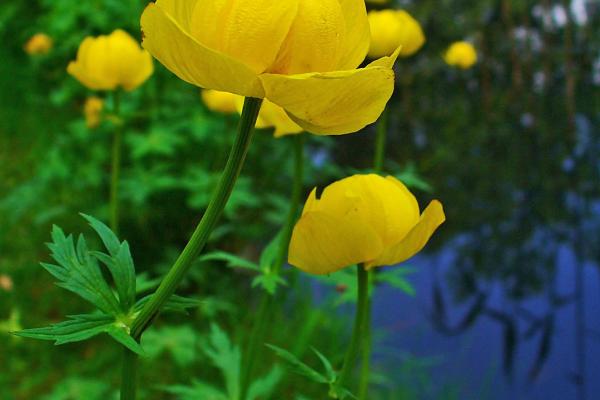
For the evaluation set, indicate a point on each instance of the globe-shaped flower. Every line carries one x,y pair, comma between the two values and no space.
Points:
362,219
461,54
393,28
40,43
110,62
302,55
270,116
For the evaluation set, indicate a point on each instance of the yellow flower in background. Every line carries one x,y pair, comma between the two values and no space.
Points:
40,43
221,102
112,61
93,111
461,54
301,55
393,28
378,2
362,219
270,116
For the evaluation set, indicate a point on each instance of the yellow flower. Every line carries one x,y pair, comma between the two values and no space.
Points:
40,43
300,54
393,28
221,102
111,61
362,219
93,111
461,54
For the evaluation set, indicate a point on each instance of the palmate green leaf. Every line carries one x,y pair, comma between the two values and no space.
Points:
298,366
197,390
119,262
232,260
82,327
227,358
396,277
264,387
78,272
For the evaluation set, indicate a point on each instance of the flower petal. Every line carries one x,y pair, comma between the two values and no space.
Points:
357,39
183,55
417,238
322,244
251,31
332,103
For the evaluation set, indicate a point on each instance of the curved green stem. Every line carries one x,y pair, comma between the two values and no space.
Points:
200,236
116,164
360,325
266,304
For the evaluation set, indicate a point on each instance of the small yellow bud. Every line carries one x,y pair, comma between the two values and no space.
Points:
40,43
93,111
461,54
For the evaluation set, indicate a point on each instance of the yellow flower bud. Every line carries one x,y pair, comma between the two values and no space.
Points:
393,28
110,62
6,282
302,55
221,102
40,43
93,111
362,219
461,54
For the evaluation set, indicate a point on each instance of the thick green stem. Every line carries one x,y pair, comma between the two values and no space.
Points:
199,238
267,302
360,325
380,142
116,164
129,375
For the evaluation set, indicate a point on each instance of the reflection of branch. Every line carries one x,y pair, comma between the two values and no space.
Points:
439,317
543,349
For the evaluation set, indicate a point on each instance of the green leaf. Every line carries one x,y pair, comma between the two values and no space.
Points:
264,387
78,272
198,390
331,374
227,358
395,277
119,263
82,327
178,341
232,260
269,255
269,282
298,366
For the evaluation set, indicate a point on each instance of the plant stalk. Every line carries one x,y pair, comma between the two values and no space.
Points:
116,163
198,240
360,326
267,302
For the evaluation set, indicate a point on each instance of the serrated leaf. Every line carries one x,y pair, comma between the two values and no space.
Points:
198,390
119,263
75,329
232,260
331,374
298,366
227,358
395,277
269,282
263,388
120,333
78,272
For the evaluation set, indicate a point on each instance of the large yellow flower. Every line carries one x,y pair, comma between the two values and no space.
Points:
461,54
111,61
300,54
393,28
362,219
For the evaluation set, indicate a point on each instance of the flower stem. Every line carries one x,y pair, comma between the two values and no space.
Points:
116,164
129,375
360,325
267,302
199,238
378,167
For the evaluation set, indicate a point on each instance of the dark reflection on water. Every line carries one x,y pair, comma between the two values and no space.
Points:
512,306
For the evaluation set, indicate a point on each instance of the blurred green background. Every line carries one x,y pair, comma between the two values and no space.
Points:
510,147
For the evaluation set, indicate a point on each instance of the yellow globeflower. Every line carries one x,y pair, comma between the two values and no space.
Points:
93,111
111,61
40,43
461,54
393,28
273,116
221,102
362,219
300,54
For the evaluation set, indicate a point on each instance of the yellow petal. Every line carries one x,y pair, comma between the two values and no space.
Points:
357,38
126,61
249,31
314,42
222,102
417,238
332,103
322,244
393,28
191,61
271,115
